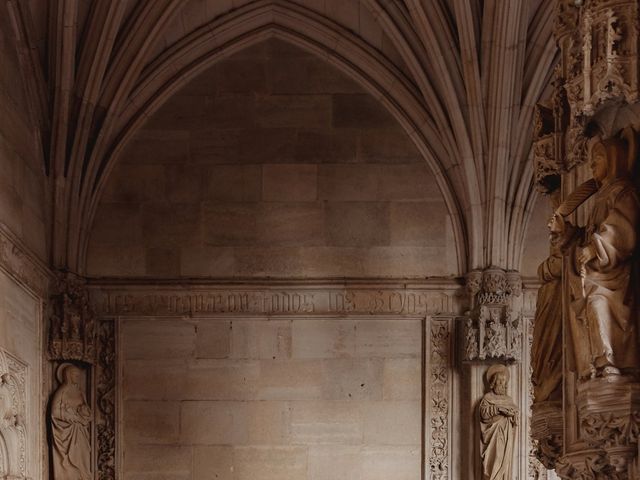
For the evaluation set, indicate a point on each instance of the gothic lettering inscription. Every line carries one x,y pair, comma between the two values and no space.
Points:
271,302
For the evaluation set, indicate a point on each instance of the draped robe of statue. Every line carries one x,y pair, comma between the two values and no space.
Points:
546,350
70,418
498,421
604,311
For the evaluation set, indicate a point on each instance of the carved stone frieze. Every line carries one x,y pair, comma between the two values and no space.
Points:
495,325
72,321
439,401
105,401
331,298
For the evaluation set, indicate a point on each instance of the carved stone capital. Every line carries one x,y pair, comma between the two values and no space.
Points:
71,321
493,328
547,431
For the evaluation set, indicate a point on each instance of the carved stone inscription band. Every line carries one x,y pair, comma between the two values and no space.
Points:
328,300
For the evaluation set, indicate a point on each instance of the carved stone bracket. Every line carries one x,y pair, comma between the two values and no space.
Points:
72,321
609,412
547,432
494,327
588,465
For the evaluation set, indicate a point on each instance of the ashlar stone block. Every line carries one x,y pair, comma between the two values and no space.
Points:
270,463
324,338
261,339
155,422
328,423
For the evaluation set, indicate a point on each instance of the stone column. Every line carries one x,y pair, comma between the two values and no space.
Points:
495,332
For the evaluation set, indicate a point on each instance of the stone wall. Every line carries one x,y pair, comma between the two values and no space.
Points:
272,163
22,180
271,398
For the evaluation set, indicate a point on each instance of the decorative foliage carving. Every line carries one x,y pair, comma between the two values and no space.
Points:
72,321
439,361
589,465
105,401
610,429
493,329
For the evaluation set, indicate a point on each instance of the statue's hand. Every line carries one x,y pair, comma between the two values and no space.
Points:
586,255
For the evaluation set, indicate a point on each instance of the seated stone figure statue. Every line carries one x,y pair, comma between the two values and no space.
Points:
602,272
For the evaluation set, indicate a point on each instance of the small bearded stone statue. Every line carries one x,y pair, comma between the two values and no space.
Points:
498,421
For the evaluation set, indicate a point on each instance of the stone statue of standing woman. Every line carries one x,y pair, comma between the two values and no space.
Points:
70,422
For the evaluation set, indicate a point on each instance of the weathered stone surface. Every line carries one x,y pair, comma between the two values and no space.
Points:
156,422
314,423
166,462
359,111
357,224
257,339
400,338
324,338
401,379
296,183
158,339
392,423
330,462
154,379
382,463
213,339
221,380
213,463
270,463
294,380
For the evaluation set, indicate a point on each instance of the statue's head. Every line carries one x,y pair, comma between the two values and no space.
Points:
498,379
612,158
70,375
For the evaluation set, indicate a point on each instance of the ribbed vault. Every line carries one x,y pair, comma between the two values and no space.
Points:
461,77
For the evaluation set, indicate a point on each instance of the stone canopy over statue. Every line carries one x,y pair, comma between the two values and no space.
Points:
602,269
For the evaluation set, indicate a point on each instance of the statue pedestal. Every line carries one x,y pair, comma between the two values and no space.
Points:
608,412
547,428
